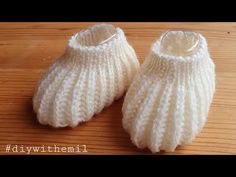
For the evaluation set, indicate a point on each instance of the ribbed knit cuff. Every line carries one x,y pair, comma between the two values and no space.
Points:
167,66
97,43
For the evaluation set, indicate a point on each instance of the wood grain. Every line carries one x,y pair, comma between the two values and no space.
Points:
28,49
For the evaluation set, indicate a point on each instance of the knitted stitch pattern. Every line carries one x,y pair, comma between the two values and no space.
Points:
96,68
168,100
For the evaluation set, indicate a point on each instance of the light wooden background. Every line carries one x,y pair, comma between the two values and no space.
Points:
28,49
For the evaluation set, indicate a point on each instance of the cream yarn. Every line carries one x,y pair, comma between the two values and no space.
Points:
168,101
96,68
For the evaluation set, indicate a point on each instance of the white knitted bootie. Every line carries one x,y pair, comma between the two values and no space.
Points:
96,68
168,101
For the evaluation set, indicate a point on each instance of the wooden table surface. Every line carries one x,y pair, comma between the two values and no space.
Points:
28,49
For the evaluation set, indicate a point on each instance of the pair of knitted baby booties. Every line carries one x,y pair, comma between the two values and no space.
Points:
168,97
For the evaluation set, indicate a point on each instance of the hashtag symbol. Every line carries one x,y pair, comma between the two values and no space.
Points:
8,148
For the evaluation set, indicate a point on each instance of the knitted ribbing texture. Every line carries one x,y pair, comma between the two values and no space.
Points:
96,68
168,101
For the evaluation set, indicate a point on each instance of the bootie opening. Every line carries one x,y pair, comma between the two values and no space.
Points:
180,46
179,43
94,36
